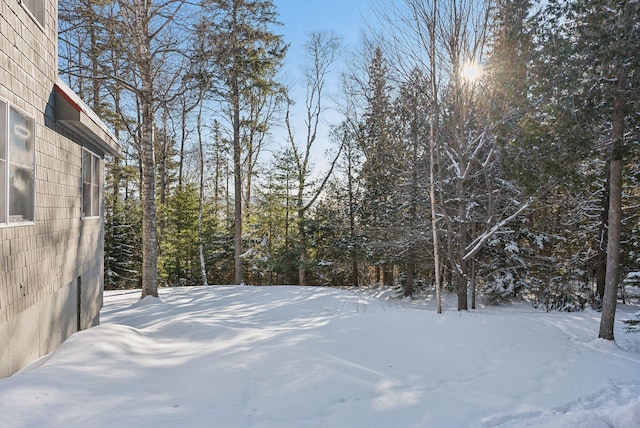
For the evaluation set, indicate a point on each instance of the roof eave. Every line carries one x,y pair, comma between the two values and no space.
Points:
72,113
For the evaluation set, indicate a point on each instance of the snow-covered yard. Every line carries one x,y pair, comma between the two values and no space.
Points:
320,357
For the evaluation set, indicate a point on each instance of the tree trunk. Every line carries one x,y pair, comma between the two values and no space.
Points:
411,266
433,112
613,253
164,154
413,204
149,236
434,222
302,261
183,138
461,268
249,174
95,81
463,289
387,274
237,177
601,263
203,266
147,156
473,284
352,220
615,219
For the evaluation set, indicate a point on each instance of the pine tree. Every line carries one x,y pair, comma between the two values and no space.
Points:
245,53
178,259
380,168
608,42
545,150
585,74
411,128
122,241
346,192
273,223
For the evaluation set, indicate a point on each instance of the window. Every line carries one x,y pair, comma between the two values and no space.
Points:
17,166
36,8
90,184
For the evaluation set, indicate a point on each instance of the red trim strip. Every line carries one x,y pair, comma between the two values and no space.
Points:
68,98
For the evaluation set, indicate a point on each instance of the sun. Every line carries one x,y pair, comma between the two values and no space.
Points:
471,71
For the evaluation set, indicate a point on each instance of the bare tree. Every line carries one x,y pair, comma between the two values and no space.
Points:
449,39
322,50
203,267
431,19
149,24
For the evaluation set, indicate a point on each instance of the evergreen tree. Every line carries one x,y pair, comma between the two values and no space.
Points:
245,53
380,168
122,241
178,261
273,223
345,193
608,43
411,128
586,87
546,150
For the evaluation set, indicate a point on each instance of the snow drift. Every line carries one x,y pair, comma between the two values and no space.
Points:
319,357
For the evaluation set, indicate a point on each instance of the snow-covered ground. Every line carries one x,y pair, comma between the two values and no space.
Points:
321,357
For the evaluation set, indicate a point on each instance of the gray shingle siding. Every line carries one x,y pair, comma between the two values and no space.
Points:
43,263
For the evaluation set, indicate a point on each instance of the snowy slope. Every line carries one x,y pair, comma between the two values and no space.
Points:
320,357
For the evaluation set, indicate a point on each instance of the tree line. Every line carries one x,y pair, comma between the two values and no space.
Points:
488,148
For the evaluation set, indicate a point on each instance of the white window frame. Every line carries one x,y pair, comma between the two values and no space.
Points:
95,175
37,9
5,164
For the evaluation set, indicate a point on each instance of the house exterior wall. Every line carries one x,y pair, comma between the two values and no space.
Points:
50,269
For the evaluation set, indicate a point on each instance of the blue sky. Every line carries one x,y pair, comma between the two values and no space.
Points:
302,16
299,18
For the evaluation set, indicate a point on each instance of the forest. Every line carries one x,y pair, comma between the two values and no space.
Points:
487,148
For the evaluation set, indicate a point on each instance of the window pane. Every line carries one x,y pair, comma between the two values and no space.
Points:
86,183
3,163
95,199
3,130
95,194
3,191
36,7
96,170
21,167
20,139
20,193
86,199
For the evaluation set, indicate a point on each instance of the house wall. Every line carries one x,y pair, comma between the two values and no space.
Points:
51,269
